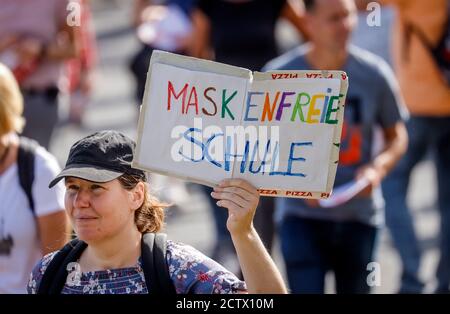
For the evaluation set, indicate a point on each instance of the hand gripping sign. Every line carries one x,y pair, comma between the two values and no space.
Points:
205,121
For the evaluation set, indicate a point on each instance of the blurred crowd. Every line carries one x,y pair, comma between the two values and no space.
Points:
397,56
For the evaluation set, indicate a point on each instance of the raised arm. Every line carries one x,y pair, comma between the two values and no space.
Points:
396,143
294,13
200,42
259,270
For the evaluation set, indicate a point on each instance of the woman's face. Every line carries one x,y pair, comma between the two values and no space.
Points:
99,211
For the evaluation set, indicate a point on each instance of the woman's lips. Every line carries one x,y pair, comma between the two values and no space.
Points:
85,218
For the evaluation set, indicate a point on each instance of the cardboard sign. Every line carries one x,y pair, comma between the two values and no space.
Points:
205,121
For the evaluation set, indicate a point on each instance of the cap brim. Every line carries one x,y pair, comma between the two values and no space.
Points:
86,172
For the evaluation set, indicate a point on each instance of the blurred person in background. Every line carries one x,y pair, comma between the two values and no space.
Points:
242,33
80,70
421,59
164,25
343,238
35,42
27,231
398,220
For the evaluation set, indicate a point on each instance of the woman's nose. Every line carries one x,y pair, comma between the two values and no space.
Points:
81,199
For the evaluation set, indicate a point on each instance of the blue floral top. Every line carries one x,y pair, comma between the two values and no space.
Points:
190,270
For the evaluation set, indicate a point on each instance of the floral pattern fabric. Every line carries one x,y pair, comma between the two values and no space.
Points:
190,271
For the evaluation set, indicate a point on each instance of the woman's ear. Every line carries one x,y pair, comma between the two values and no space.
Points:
137,195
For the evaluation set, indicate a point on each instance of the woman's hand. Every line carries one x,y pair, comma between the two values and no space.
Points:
241,200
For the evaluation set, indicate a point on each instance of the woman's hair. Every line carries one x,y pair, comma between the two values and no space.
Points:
11,103
150,216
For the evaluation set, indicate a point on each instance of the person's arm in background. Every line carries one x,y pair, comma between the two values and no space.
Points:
138,8
52,222
63,46
390,115
260,273
396,142
293,12
88,49
54,231
362,4
7,42
201,32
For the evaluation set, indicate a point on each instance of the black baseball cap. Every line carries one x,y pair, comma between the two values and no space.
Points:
100,157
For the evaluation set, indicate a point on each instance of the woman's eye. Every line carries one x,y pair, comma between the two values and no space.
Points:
96,187
72,188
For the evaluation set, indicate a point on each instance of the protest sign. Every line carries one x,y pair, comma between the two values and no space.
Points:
204,121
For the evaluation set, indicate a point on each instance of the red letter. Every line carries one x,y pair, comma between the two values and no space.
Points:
171,91
195,103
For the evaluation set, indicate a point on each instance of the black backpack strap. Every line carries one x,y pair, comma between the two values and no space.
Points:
55,274
162,271
154,265
148,266
25,165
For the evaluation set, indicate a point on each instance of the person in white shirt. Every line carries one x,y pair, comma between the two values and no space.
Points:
25,234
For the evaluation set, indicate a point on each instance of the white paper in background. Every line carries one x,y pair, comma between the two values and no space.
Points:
344,193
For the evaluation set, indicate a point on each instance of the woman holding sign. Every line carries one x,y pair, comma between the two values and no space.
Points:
115,218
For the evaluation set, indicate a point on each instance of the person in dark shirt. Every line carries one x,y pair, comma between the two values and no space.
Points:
242,32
